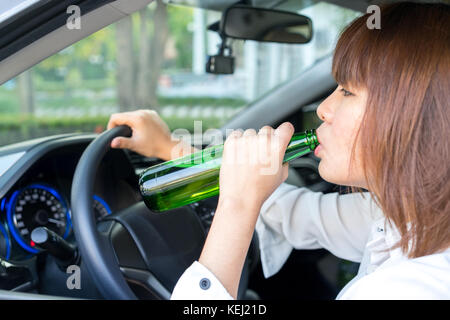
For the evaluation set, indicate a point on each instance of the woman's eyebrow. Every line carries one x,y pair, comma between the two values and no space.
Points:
353,89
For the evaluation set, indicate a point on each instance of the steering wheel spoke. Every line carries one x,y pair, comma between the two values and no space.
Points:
151,286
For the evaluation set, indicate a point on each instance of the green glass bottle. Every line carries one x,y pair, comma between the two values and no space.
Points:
194,177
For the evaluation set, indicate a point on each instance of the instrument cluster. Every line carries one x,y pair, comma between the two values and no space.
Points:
37,205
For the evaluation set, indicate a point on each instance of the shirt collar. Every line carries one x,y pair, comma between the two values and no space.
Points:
384,237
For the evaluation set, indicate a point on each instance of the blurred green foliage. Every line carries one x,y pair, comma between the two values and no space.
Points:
179,20
9,102
24,122
16,128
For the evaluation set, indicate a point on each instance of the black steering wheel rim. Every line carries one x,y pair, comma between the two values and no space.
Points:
96,252
165,244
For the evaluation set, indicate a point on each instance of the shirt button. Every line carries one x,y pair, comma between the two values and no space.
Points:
205,283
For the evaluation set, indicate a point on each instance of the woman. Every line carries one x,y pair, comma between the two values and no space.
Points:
385,129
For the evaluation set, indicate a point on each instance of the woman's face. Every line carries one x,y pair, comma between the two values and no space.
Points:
341,114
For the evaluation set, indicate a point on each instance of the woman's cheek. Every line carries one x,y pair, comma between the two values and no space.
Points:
336,166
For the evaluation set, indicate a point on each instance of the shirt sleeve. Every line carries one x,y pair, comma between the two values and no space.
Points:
199,283
299,218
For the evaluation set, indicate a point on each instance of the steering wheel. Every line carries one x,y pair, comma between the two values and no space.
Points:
134,247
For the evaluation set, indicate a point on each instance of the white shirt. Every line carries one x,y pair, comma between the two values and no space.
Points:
351,227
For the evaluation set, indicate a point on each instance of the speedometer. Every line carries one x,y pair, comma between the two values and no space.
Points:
37,206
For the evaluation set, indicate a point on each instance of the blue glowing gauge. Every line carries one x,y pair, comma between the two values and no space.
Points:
101,208
5,243
37,206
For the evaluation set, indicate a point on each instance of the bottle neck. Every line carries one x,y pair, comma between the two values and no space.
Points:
301,144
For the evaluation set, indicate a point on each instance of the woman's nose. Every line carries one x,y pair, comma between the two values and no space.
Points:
324,111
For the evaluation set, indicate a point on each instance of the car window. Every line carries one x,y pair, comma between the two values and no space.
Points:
155,59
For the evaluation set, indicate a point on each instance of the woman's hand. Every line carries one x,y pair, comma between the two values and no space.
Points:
251,170
151,136
252,165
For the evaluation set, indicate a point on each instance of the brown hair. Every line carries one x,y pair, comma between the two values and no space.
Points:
405,132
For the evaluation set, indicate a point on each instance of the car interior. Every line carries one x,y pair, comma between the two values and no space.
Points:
88,194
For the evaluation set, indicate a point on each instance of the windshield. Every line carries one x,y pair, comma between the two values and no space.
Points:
155,59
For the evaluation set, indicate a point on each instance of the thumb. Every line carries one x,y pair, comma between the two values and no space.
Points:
285,132
121,142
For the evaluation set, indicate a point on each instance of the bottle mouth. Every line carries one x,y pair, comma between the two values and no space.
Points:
311,139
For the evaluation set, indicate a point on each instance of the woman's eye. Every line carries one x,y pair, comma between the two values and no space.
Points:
346,93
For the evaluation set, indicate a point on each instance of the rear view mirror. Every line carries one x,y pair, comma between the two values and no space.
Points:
267,25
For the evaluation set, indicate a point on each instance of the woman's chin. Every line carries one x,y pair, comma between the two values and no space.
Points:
323,172
330,174
338,177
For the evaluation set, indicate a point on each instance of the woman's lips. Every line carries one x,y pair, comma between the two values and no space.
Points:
319,147
317,150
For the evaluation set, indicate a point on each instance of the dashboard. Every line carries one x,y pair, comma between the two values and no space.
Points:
41,198
36,190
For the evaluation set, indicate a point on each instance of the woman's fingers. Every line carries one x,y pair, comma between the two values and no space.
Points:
118,119
284,132
235,134
151,136
132,118
266,130
121,142
249,132
254,159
